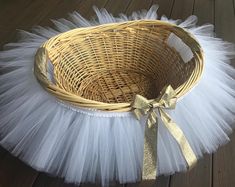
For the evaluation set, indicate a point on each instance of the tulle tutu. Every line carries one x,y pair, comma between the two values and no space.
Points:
83,145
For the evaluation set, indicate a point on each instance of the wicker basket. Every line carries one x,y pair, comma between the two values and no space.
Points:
104,67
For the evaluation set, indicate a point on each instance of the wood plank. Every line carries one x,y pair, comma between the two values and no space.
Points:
15,173
225,20
45,180
137,5
204,10
112,184
201,175
161,181
49,181
42,12
165,7
234,6
224,158
9,9
3,152
182,9
224,165
8,14
116,7
57,12
85,8
33,12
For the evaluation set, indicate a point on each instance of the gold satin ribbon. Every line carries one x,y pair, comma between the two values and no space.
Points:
142,106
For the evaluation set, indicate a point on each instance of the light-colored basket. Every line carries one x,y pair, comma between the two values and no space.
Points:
105,66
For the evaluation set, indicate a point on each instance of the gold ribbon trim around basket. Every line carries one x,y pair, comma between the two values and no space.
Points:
142,106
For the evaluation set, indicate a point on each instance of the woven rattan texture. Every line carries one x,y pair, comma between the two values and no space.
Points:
111,63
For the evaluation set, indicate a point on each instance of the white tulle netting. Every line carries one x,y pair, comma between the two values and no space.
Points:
83,145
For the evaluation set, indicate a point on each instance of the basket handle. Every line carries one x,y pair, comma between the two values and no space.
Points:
41,73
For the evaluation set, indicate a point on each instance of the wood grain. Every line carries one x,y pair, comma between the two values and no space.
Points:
165,7
3,153
224,158
234,6
33,12
117,7
199,176
204,10
225,20
161,181
137,5
45,180
182,9
15,173
224,165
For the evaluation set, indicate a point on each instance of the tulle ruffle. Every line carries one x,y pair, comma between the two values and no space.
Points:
84,145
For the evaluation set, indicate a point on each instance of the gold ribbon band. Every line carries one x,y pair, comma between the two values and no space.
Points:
142,106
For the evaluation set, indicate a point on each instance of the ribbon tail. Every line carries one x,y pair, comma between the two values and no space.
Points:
137,113
180,138
150,153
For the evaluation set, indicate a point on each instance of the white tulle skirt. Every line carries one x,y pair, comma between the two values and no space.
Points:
83,145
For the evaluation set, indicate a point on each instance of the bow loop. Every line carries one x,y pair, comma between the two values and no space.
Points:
143,106
167,98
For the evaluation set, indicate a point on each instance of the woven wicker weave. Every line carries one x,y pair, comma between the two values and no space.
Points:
105,66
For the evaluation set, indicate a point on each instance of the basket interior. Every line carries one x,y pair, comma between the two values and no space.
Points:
114,65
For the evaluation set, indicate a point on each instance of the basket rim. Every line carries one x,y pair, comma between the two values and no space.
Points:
42,57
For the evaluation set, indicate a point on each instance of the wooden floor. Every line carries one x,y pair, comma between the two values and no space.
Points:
215,170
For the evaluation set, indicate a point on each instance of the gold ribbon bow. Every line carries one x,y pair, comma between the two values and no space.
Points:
143,106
